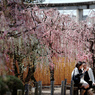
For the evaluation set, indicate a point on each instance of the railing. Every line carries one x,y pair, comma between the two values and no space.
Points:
38,88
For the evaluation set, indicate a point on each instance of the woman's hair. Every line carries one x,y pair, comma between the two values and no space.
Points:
79,64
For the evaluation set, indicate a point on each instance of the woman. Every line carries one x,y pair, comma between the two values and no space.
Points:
78,77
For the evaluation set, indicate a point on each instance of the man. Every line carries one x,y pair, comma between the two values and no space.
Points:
88,77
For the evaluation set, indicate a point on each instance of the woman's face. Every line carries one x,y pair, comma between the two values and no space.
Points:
80,67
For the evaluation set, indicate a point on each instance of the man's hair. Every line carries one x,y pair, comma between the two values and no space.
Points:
84,62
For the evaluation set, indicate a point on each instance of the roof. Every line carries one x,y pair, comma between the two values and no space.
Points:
89,5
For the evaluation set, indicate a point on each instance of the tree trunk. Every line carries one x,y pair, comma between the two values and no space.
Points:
5,2
51,74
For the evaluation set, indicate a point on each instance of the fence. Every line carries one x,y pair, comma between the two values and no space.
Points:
38,88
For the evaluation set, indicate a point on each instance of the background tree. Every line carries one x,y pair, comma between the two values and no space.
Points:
38,35
20,45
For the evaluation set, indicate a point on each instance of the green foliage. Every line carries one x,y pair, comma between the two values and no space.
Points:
3,88
13,84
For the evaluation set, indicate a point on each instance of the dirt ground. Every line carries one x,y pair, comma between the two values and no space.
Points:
47,91
57,91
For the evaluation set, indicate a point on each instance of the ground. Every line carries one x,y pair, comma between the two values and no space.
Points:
47,91
57,91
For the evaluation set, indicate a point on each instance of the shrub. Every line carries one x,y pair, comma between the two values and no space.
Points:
13,84
3,88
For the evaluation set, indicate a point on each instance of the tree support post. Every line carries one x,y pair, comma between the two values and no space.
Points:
79,15
52,87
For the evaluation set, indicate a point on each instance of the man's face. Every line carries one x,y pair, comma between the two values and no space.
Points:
84,66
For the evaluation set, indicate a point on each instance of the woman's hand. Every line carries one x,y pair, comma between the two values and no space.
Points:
84,71
86,86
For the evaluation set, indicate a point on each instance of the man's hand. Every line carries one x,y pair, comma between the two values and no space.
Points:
87,69
93,84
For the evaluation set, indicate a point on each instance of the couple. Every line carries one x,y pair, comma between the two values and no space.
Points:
83,78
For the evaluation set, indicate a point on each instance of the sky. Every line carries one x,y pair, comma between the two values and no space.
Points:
73,12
